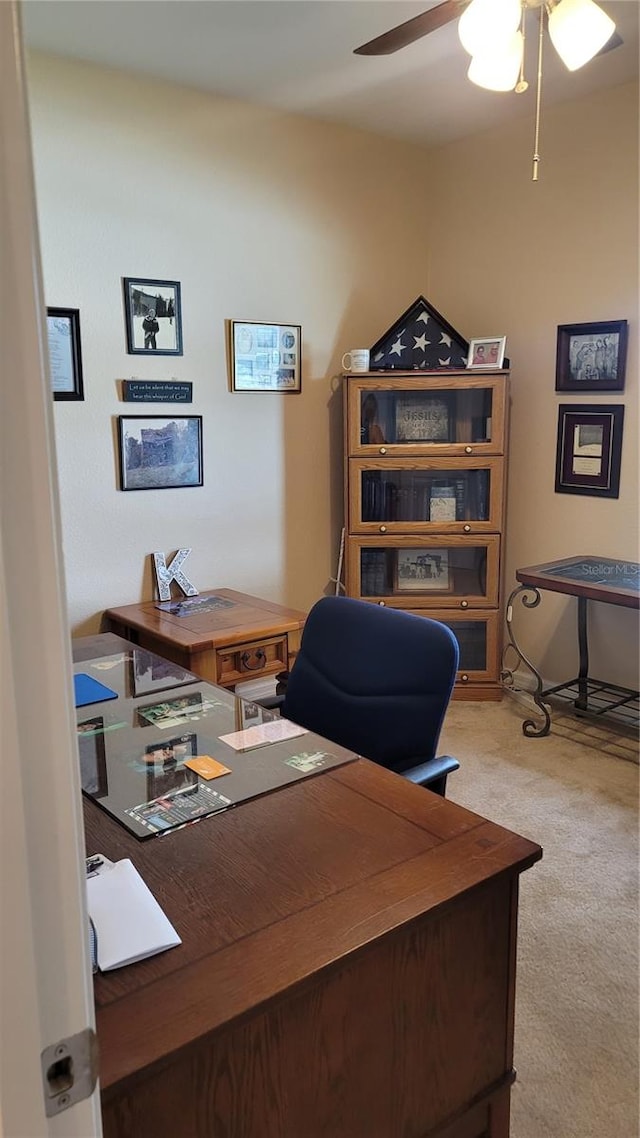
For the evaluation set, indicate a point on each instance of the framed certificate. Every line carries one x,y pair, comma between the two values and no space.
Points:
65,357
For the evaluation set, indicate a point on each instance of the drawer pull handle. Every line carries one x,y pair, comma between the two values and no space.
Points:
261,659
464,677
464,604
468,450
383,529
467,529
383,450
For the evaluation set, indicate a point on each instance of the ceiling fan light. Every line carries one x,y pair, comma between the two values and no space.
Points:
578,30
485,21
498,69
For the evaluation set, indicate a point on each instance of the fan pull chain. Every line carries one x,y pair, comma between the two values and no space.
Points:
536,143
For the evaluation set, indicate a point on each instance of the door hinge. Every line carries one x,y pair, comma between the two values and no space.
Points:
69,1071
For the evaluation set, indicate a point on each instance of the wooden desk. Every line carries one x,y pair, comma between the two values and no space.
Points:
347,968
247,639
588,578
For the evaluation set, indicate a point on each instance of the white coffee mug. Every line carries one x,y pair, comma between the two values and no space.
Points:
356,360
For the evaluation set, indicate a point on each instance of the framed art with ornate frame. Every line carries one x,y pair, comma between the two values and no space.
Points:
589,449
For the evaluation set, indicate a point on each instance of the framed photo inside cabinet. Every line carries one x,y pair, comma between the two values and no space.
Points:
419,570
423,417
265,357
93,759
591,357
160,453
589,449
65,354
488,352
153,317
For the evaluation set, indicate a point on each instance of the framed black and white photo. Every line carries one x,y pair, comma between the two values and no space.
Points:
153,317
265,357
591,357
421,570
65,354
160,453
487,352
589,449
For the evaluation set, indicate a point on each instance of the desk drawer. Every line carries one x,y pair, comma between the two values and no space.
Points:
255,658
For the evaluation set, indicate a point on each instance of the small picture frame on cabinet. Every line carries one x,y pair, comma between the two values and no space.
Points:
487,352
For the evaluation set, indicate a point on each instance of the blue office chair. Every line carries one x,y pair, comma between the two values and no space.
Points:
377,681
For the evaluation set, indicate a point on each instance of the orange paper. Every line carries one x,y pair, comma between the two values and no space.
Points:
206,767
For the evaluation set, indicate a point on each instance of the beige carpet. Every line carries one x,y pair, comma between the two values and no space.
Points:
577,1010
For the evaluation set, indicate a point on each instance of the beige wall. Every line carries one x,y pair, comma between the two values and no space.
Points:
511,256
265,216
260,216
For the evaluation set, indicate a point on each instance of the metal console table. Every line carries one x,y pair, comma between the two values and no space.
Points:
589,579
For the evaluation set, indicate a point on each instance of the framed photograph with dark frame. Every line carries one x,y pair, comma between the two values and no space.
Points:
153,317
265,357
159,452
589,449
487,352
65,354
591,357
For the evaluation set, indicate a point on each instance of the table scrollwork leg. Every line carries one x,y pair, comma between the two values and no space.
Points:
530,597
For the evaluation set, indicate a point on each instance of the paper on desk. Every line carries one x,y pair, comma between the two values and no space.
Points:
129,923
272,732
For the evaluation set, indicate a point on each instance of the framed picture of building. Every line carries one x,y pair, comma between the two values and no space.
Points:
159,452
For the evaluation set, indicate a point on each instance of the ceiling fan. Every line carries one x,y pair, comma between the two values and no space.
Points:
444,13
493,33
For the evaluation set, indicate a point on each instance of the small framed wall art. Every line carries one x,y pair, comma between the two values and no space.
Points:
65,355
591,357
589,449
153,316
487,352
160,453
265,357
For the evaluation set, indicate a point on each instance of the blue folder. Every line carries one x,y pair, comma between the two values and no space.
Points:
88,690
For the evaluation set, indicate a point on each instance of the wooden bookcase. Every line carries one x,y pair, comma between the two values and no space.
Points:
425,492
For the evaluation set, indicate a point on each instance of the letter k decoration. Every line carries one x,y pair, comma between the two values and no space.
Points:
165,574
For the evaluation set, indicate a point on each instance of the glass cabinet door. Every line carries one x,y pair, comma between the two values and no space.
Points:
449,495
478,641
418,572
404,415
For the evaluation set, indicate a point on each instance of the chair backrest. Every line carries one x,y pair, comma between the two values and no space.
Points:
373,679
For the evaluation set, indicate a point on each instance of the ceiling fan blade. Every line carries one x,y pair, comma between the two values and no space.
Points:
412,30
